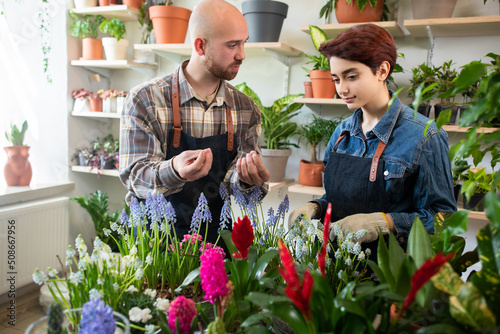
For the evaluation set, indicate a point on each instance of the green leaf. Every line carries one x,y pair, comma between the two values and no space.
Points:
189,279
468,307
262,262
318,36
492,209
419,244
226,236
384,260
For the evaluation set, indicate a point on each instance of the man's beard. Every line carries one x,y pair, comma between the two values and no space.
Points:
221,72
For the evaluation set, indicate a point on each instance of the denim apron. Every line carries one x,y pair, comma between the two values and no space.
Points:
224,152
356,184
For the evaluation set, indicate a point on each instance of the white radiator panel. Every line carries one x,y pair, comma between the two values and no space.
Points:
41,233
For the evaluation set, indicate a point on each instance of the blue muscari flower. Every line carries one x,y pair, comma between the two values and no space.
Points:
261,241
97,317
124,217
283,207
224,193
225,216
135,212
272,220
169,212
255,196
240,199
270,212
153,209
201,214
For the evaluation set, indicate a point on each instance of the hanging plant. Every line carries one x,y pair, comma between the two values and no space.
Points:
46,37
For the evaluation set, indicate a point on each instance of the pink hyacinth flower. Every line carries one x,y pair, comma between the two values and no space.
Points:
184,310
213,275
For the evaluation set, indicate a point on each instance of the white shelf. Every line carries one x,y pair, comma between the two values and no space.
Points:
300,189
332,30
89,170
95,114
278,185
455,26
20,194
122,12
319,101
456,128
112,64
251,49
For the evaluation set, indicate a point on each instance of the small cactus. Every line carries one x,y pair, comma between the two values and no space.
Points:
55,318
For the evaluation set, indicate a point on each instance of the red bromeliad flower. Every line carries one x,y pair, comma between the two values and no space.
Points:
326,233
300,295
423,274
242,236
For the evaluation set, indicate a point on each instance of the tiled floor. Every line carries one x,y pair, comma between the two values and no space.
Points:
27,311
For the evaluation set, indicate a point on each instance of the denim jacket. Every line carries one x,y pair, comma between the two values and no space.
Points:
417,169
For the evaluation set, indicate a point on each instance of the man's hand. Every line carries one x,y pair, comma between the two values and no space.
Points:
370,222
311,210
194,164
251,170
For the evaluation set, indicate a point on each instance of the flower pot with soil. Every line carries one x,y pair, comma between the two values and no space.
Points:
86,27
353,11
170,23
17,170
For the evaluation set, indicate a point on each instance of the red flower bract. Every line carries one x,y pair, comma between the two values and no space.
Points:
300,295
326,233
242,235
423,274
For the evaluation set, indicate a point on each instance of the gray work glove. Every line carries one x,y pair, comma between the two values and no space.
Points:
311,210
369,222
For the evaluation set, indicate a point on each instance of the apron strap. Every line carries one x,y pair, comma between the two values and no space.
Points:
177,116
175,107
376,157
337,143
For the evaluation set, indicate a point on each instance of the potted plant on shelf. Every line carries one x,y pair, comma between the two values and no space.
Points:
353,11
278,129
144,56
81,97
120,101
134,3
17,170
264,19
109,153
431,9
319,130
85,3
86,27
459,166
424,79
321,78
115,47
446,77
96,100
170,23
109,100
475,186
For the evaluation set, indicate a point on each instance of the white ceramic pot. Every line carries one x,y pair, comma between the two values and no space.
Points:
85,3
120,101
109,105
113,49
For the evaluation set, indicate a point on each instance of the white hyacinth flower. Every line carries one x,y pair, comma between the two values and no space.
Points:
162,304
131,289
52,272
39,277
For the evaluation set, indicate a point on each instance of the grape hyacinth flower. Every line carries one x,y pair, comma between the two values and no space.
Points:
225,216
201,214
97,317
182,310
213,276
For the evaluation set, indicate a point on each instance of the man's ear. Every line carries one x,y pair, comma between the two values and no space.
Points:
199,45
383,70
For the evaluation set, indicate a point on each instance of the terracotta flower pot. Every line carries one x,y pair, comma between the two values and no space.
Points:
95,104
92,49
17,170
322,84
349,13
134,3
107,2
311,174
308,90
170,23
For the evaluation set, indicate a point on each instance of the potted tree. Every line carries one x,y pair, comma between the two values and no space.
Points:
86,27
115,47
354,11
278,130
17,170
319,130
321,78
264,19
170,23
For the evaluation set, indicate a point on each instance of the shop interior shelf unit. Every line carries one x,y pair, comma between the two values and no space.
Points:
95,114
90,170
332,30
122,12
455,26
319,101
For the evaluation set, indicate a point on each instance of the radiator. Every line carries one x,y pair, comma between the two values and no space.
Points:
31,235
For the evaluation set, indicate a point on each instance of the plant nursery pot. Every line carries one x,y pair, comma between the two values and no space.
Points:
438,108
322,84
275,162
311,174
85,3
264,19
424,109
473,204
17,170
170,23
133,3
456,191
349,13
107,2
92,49
432,9
95,104
308,90
114,49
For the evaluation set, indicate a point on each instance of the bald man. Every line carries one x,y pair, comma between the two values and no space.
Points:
190,131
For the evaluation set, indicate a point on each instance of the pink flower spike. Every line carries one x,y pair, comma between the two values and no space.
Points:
183,309
213,275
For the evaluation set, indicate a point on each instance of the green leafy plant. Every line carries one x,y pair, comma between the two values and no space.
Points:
320,62
446,77
327,9
424,77
85,26
317,131
114,27
16,136
145,23
478,181
97,206
457,169
276,119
